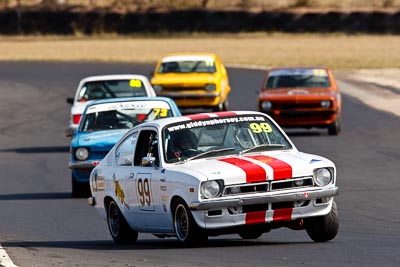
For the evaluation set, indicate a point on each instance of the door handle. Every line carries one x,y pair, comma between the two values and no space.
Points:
163,179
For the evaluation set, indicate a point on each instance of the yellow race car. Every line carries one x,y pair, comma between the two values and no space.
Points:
197,80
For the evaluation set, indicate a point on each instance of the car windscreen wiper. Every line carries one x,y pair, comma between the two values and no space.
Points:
262,147
209,152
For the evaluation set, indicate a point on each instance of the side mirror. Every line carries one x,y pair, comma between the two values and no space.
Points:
151,74
70,100
69,132
148,161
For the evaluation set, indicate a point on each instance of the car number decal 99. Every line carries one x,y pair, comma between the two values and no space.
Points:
135,83
260,127
143,190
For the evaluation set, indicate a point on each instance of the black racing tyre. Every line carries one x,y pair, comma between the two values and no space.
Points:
120,231
335,127
250,234
79,189
222,106
225,105
323,228
186,229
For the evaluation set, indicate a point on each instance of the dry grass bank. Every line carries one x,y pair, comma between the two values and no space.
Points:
335,51
129,5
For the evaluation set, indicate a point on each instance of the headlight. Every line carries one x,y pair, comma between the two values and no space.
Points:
157,88
210,189
325,103
210,87
322,177
82,153
266,105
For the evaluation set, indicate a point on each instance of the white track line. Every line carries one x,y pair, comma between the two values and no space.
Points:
5,261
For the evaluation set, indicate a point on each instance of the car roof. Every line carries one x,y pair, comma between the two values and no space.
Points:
127,99
298,67
113,77
192,117
188,56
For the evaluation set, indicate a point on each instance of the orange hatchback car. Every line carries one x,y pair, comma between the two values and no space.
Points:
302,97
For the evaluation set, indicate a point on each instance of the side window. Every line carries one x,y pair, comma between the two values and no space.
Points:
147,146
124,152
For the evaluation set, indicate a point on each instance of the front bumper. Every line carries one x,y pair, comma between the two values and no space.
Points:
306,118
264,199
193,99
83,166
268,210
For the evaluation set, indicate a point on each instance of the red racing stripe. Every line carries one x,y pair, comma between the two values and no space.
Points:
254,172
282,170
283,214
198,116
225,113
255,217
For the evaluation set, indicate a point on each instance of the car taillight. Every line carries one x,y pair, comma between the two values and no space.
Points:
76,118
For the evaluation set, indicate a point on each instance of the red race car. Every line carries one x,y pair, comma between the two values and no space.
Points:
302,97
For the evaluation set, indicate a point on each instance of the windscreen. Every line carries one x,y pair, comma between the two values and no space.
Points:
187,64
290,78
111,89
123,115
221,136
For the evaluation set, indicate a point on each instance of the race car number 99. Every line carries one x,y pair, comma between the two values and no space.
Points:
261,127
143,188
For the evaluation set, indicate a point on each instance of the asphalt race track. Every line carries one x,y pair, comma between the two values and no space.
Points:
42,225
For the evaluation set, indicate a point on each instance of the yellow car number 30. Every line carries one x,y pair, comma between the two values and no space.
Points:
143,189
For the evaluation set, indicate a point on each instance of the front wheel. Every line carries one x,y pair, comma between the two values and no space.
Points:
222,106
186,229
323,228
250,234
120,231
335,127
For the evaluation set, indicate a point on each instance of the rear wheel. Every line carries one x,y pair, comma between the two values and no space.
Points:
186,229
120,231
323,228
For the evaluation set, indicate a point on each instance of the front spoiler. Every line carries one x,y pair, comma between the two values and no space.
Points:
188,95
263,199
86,165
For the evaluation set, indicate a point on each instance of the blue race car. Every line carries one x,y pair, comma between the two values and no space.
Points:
103,124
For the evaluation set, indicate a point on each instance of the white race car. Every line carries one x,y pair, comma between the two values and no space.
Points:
105,86
210,174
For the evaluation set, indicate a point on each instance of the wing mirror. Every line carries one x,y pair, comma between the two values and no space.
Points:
148,161
151,74
69,132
